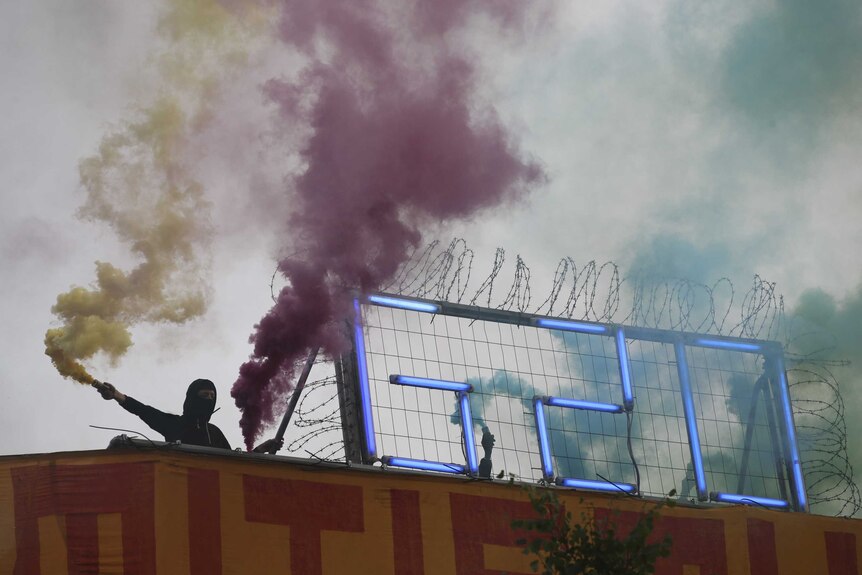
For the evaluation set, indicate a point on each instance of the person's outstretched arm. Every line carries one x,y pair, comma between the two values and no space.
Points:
158,421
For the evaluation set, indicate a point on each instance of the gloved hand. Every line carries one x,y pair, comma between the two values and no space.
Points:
105,389
269,446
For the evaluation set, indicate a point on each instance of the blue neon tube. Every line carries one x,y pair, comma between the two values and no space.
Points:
423,465
796,463
625,373
728,345
364,391
467,426
748,500
542,435
429,383
568,325
407,304
597,485
581,404
690,420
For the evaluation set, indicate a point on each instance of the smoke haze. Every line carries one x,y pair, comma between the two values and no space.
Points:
397,142
710,140
141,185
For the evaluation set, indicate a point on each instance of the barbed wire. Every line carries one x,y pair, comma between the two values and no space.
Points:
318,418
598,292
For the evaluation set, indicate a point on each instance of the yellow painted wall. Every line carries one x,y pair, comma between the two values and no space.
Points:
153,511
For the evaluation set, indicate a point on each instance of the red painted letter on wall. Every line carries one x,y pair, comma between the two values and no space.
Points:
204,522
762,555
307,508
407,532
81,493
841,553
695,541
480,520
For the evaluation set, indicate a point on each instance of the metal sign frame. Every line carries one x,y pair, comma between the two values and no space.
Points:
776,382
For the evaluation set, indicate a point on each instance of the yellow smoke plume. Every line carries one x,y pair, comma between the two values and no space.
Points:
140,184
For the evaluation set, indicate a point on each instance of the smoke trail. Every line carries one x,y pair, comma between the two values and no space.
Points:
511,387
501,383
136,185
397,142
140,185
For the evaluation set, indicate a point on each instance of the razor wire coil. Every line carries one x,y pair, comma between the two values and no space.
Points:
599,292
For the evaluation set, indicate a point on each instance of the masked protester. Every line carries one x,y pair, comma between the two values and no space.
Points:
193,426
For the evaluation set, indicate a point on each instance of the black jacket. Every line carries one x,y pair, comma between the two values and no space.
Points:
192,427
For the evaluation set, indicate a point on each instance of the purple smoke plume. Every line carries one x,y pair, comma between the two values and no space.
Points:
396,143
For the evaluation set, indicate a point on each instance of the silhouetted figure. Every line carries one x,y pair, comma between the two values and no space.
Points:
193,427
488,445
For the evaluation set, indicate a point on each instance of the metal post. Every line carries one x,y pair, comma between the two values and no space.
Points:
773,436
345,380
297,391
749,432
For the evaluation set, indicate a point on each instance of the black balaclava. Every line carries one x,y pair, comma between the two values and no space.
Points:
198,407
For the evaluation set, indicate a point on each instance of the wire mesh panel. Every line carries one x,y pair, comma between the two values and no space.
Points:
738,426
579,403
659,438
590,445
497,360
587,442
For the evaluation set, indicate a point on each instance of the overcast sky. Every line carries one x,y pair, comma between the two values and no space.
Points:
702,140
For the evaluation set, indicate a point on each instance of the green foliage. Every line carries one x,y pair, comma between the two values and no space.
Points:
588,546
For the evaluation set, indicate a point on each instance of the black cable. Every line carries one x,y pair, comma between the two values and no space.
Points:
127,431
629,421
600,476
